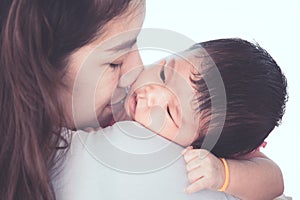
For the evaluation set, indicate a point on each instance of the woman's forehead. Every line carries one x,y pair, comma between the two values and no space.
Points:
122,30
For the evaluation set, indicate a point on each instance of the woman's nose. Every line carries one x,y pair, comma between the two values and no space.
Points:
131,68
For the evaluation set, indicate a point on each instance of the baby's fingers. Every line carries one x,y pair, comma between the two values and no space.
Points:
195,174
196,186
195,153
193,164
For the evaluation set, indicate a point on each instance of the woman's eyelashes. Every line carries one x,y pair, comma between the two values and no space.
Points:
115,65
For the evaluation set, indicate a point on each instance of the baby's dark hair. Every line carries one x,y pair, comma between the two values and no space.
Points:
255,92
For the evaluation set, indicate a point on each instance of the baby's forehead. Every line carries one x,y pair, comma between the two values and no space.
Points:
196,58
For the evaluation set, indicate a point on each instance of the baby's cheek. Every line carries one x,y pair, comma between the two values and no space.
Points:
157,119
153,118
185,136
171,132
142,116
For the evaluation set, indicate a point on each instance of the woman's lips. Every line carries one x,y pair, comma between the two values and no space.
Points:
117,107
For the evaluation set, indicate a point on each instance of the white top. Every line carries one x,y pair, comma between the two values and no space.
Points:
125,161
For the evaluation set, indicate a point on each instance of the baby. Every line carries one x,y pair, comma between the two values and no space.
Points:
224,96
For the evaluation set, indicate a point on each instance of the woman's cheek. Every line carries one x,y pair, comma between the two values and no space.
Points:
105,88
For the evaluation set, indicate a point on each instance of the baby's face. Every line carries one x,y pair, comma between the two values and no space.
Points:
162,99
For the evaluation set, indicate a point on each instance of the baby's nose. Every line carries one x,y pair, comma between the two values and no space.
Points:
156,96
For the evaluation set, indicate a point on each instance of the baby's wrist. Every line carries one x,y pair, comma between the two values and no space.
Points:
225,176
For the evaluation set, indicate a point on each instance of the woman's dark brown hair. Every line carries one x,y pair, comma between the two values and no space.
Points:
255,92
36,38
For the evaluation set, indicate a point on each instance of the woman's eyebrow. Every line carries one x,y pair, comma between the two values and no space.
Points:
126,45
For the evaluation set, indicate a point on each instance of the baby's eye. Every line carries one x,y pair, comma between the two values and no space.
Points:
169,112
115,65
162,74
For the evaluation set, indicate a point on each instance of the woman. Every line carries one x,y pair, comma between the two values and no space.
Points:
52,55
43,44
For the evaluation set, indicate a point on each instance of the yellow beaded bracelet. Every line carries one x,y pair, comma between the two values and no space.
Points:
226,181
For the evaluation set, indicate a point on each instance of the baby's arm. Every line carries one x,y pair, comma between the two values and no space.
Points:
253,177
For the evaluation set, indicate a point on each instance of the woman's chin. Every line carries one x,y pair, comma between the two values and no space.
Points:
105,118
107,121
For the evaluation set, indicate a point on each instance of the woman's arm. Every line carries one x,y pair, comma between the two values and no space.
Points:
253,177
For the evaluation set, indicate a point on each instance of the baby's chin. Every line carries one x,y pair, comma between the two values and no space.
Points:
154,126
159,130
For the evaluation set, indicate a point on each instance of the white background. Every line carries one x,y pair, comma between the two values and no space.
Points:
275,26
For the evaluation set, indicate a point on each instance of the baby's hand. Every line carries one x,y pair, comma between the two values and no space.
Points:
204,170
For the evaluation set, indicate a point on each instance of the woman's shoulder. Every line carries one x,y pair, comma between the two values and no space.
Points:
82,141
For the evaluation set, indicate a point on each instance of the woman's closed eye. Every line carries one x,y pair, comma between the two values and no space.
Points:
115,65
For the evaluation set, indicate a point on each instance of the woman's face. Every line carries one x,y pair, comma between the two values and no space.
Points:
95,71
161,99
